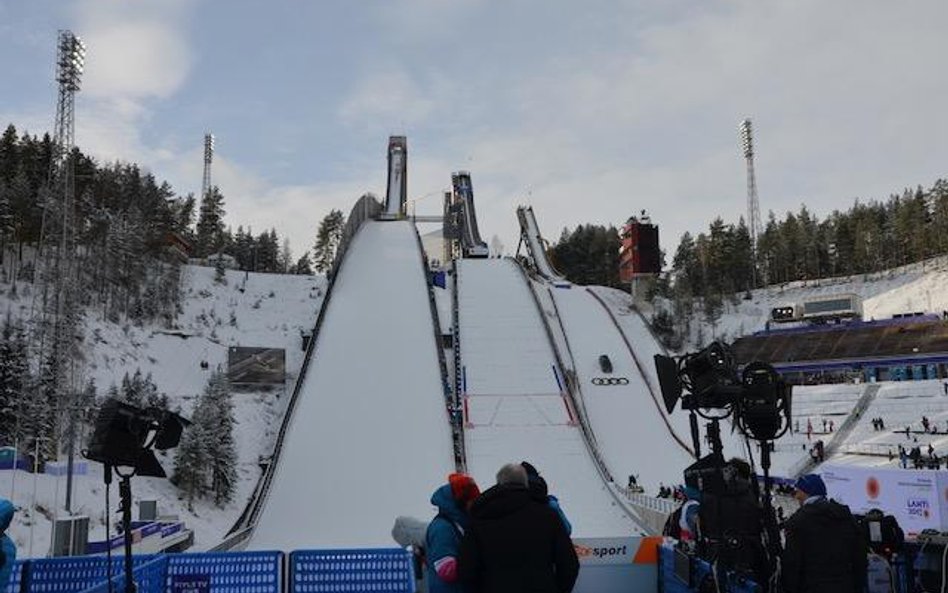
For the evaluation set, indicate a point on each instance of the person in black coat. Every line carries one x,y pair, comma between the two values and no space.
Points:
515,543
824,550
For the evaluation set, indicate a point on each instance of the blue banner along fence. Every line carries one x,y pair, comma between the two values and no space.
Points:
343,571
149,578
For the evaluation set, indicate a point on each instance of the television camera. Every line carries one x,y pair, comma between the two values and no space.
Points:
709,385
124,436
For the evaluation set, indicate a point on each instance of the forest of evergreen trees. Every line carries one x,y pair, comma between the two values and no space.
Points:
133,233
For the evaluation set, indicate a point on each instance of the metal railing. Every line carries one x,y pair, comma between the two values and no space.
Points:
452,406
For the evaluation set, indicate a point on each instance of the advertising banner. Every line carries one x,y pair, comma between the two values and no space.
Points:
913,497
256,366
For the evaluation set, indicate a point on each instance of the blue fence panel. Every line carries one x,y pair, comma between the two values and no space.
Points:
149,578
14,585
73,574
228,572
352,571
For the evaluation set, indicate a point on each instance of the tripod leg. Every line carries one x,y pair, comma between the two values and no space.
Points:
125,491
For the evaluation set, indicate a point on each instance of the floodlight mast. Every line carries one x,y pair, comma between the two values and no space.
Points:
753,205
57,250
208,158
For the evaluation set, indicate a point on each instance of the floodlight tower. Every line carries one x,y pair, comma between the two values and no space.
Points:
56,327
753,205
208,157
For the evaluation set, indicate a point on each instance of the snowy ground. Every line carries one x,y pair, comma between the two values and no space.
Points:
257,310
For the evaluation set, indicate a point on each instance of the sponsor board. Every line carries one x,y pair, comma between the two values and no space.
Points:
256,366
914,497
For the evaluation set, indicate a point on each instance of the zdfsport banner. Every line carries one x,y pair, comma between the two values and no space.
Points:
916,498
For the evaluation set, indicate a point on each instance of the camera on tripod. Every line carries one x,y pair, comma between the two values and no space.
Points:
738,528
708,380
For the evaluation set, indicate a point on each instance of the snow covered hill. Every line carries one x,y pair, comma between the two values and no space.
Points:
907,289
254,310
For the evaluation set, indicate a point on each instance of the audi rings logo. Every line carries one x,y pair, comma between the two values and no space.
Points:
610,381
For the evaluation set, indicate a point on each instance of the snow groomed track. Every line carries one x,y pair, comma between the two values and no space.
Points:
627,423
514,400
369,439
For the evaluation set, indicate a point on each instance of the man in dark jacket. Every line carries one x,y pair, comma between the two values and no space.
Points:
515,543
824,551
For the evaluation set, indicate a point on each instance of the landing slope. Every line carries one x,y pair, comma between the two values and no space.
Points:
515,407
369,439
626,420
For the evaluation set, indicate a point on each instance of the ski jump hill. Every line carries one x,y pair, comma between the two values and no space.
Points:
374,425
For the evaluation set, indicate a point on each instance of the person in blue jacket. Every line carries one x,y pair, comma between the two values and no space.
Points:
539,491
7,548
443,537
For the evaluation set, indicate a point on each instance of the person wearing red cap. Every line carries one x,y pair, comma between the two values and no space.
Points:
443,537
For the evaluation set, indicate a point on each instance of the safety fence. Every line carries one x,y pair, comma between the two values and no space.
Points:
318,571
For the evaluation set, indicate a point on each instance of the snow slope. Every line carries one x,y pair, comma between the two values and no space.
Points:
515,409
627,422
369,439
268,310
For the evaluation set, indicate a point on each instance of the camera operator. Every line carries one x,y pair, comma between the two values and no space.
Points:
824,550
732,523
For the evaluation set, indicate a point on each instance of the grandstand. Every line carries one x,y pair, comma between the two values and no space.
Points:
907,348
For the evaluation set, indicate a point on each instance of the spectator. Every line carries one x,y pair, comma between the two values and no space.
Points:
832,426
824,550
443,537
540,493
514,543
881,423
683,523
7,547
903,457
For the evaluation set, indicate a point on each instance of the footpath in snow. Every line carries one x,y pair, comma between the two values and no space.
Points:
369,439
516,409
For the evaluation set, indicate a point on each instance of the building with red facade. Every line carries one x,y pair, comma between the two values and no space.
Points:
639,253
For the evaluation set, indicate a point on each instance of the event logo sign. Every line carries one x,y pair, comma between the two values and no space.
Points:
913,497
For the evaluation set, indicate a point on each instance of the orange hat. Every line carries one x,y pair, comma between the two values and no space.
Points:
463,488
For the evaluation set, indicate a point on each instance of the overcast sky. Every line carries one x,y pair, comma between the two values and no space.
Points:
589,111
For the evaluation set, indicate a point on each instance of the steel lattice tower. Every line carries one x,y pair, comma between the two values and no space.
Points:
208,158
753,205
55,316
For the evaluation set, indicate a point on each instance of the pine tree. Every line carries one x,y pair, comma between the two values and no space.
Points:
14,377
210,225
304,266
190,461
327,240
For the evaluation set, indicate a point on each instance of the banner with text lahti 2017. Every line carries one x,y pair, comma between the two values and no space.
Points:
911,496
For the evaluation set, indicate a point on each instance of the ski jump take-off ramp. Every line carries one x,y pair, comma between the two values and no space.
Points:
369,437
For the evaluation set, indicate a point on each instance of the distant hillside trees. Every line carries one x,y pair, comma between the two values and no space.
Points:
872,236
589,254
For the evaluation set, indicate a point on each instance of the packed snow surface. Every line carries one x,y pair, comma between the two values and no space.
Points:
369,439
628,423
516,409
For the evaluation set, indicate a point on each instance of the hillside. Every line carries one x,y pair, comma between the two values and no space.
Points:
911,288
257,310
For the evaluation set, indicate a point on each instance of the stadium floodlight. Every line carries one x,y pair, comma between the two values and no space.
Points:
72,56
747,138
